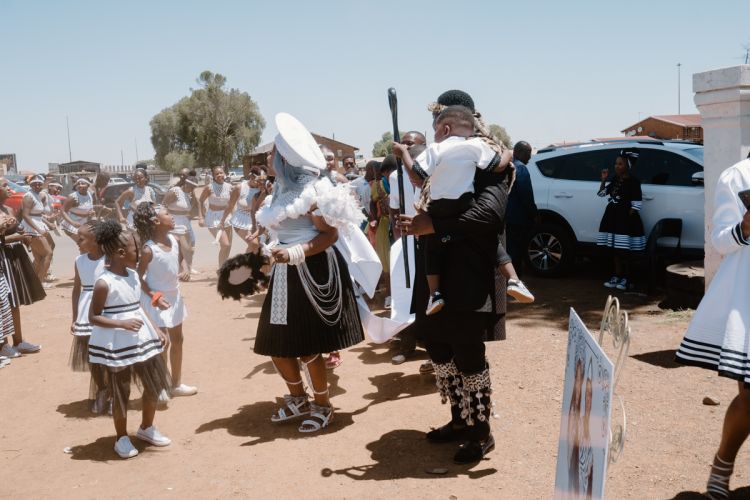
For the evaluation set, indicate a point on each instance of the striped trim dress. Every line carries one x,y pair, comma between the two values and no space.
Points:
140,195
6,316
35,214
180,210
619,229
718,337
242,217
88,272
218,197
117,347
79,213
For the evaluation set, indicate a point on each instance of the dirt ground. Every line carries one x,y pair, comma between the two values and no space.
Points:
225,446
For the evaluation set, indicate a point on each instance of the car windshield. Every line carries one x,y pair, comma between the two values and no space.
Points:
695,153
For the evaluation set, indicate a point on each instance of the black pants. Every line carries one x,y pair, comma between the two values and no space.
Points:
468,357
517,241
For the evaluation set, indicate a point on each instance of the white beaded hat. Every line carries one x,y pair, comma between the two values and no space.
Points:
297,145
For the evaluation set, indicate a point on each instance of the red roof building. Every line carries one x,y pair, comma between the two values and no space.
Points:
666,127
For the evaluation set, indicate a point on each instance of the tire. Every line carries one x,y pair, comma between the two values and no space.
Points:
550,251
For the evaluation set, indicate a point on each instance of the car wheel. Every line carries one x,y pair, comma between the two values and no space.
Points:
550,250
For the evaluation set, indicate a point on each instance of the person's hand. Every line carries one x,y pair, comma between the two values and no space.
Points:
746,225
73,328
280,255
132,324
163,304
399,149
605,174
201,222
184,276
373,223
26,239
250,237
164,338
417,225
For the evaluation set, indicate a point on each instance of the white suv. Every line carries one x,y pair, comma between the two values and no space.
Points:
566,180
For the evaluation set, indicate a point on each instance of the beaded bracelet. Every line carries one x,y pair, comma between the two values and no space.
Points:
296,255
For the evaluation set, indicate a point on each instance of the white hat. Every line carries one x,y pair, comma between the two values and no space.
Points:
297,145
37,179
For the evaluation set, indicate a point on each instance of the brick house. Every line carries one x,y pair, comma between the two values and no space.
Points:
340,149
665,127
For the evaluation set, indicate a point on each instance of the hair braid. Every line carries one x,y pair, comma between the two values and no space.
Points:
144,220
110,236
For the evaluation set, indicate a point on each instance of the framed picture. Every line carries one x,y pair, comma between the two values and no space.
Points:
582,453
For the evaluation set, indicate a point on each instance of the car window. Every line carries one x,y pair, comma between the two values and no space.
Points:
657,166
584,166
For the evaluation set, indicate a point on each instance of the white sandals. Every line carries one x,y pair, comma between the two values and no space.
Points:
295,407
321,416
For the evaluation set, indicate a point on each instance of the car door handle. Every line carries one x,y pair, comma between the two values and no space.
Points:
563,195
648,198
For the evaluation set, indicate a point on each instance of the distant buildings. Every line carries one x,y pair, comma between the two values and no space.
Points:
8,164
666,127
340,149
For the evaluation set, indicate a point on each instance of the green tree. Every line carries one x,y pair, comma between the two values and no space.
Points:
501,135
383,146
211,126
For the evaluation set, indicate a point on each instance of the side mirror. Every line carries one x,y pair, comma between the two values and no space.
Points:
697,178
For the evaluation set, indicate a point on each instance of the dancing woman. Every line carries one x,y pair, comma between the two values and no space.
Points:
78,208
139,193
32,215
243,203
179,202
217,194
310,308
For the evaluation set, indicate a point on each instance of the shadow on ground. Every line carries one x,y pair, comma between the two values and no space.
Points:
102,450
662,359
404,453
738,494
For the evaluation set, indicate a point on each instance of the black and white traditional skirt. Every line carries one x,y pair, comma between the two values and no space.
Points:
309,309
25,287
6,316
150,376
621,230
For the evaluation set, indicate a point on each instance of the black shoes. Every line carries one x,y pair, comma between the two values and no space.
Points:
474,451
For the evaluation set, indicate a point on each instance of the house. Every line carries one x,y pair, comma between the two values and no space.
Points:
666,127
8,164
79,166
340,149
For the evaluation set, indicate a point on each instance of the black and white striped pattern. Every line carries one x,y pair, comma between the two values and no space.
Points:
729,363
622,241
737,235
6,316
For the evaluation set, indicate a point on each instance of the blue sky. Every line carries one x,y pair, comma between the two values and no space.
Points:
546,70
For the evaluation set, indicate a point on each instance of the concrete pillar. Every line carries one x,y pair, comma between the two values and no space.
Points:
723,99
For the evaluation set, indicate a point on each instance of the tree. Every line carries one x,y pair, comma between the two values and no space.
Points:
384,146
501,135
211,126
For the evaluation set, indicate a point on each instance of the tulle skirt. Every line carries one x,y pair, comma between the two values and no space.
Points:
151,377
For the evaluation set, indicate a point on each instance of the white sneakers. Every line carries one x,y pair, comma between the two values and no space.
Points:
9,351
153,436
15,351
435,304
518,291
124,448
184,390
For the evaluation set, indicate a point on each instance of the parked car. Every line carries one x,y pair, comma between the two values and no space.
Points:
566,180
113,191
16,197
117,180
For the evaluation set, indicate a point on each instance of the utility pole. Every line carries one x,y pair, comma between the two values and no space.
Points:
67,125
678,89
136,150
122,159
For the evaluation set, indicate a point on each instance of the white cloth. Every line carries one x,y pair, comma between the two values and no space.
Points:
364,193
35,214
117,347
451,165
80,212
162,276
411,194
719,333
88,272
364,265
400,295
242,216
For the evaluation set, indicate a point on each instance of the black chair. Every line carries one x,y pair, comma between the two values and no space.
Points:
665,228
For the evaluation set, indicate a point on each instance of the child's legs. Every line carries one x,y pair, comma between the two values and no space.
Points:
505,263
175,353
120,384
432,256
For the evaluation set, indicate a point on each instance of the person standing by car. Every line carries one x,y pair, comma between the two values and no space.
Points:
521,212
621,228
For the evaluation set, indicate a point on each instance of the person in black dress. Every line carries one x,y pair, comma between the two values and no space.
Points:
621,228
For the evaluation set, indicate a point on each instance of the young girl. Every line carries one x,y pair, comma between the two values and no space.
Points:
88,266
217,194
32,215
124,344
621,228
158,269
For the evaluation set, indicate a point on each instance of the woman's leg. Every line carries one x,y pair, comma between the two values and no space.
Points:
288,368
175,353
187,250
316,367
735,430
252,246
42,256
17,333
225,245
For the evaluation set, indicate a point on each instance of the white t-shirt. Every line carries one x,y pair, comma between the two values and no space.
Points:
362,188
410,194
451,165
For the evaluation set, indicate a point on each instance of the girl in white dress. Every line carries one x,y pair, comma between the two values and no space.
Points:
217,193
139,193
179,202
78,208
124,344
32,214
88,266
159,270
244,201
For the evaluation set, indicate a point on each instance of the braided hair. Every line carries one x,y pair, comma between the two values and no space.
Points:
144,220
110,236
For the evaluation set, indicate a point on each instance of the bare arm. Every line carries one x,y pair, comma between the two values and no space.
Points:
201,201
125,195
328,236
234,195
416,176
70,202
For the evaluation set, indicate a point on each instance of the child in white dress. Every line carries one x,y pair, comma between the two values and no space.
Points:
124,344
159,270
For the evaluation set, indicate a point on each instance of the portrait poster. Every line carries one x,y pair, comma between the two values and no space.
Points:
585,421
